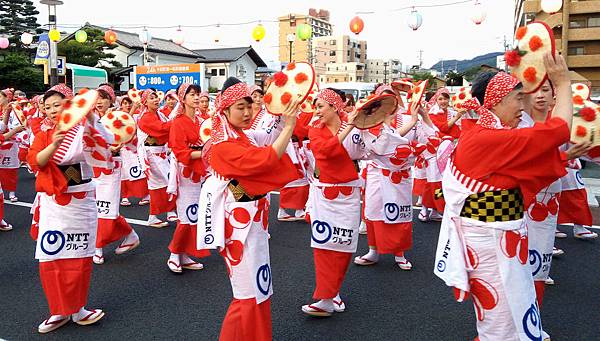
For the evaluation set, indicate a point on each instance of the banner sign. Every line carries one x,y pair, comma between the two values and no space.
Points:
167,77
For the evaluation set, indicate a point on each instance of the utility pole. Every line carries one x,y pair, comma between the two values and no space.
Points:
420,58
385,65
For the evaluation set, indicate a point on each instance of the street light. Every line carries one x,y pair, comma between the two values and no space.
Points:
145,38
52,25
290,38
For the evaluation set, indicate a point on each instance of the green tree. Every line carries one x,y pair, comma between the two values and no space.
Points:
90,53
17,71
454,78
423,75
16,17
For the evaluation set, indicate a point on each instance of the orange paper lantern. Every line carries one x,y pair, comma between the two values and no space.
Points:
357,25
110,37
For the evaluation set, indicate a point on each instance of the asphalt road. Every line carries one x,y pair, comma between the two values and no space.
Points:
144,300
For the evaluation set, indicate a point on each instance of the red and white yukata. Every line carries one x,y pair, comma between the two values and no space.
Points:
490,260
9,153
334,203
388,187
153,135
233,216
67,213
189,175
574,207
294,195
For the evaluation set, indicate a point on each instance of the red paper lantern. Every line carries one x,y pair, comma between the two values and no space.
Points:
110,37
357,25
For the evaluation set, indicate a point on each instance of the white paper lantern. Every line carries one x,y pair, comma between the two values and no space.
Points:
145,37
551,6
26,38
479,13
178,37
415,20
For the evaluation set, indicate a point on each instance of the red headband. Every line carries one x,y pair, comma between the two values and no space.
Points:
180,96
332,98
63,89
145,94
231,95
433,99
382,88
109,91
9,93
499,86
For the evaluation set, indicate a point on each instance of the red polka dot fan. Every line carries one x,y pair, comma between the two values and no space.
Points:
121,124
526,61
586,117
295,81
463,95
75,109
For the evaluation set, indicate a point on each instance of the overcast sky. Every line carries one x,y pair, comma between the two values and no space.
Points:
446,33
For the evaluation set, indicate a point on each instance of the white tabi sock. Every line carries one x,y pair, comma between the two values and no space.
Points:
82,313
98,252
175,258
372,255
577,228
325,304
131,237
185,259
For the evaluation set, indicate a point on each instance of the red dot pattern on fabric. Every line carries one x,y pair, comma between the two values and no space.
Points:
332,98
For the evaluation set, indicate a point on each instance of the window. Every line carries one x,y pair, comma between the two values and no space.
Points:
332,53
332,42
576,51
221,72
593,22
213,72
577,23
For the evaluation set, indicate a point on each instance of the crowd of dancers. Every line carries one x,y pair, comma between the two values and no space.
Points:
498,172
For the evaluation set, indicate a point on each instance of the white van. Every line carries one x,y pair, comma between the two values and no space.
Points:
358,90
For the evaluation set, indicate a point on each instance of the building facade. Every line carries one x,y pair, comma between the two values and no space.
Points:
576,29
239,62
382,71
300,50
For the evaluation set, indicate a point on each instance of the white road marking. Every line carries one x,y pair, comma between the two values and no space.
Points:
145,223
129,220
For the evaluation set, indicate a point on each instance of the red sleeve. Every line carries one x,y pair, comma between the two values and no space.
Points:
528,158
49,178
258,169
331,158
39,143
441,122
323,146
301,129
154,127
179,143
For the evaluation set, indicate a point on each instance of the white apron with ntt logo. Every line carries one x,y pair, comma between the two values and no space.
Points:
489,260
387,201
9,155
67,231
334,222
131,169
239,231
188,193
541,226
108,192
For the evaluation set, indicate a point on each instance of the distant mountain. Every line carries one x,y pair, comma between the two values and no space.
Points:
464,65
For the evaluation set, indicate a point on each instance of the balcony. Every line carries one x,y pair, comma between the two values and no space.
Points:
584,34
586,60
583,7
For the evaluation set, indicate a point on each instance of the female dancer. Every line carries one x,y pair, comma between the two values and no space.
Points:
68,217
